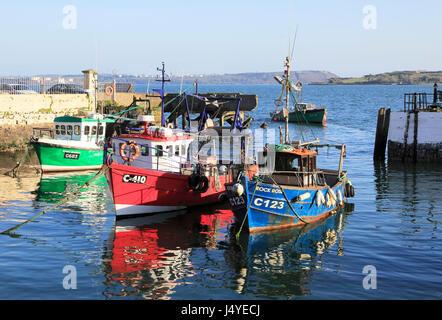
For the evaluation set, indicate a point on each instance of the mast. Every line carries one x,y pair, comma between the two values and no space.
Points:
287,88
163,80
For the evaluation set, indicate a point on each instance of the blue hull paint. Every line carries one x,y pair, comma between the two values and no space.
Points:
266,207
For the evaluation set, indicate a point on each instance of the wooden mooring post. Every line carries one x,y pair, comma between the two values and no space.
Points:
381,134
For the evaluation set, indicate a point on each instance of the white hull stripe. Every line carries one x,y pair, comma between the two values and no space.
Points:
48,168
128,209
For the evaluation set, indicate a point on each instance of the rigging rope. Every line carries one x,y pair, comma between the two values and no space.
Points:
103,170
288,201
248,207
14,170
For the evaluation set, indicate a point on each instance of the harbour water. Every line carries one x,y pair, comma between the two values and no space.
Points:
390,230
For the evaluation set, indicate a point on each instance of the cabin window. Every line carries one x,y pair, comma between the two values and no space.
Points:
62,130
57,129
295,164
86,130
183,150
69,130
304,164
94,130
177,150
77,130
159,150
144,150
311,164
284,162
170,151
100,130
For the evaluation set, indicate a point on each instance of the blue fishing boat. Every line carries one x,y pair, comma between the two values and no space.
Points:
290,190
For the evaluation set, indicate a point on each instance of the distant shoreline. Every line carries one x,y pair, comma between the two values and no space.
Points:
372,84
390,78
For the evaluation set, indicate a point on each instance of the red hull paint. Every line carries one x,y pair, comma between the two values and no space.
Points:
160,190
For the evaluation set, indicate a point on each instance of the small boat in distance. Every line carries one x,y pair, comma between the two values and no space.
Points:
300,112
77,143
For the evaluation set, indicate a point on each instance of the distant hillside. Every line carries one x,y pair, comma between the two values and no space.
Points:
237,78
266,77
397,77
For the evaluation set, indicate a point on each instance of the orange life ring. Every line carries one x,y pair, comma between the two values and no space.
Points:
132,145
109,159
109,90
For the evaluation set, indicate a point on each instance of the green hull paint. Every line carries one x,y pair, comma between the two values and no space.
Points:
309,116
55,158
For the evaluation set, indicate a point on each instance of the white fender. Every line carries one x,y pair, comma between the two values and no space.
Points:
303,197
327,200
238,189
332,194
319,198
340,200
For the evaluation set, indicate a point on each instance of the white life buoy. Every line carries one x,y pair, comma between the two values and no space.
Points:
238,189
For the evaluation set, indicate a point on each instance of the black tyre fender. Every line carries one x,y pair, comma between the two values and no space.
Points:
347,190
204,184
194,181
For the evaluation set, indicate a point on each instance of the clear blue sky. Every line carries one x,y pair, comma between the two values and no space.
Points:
225,36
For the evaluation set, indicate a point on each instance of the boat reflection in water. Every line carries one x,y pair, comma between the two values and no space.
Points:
154,257
53,187
278,264
151,255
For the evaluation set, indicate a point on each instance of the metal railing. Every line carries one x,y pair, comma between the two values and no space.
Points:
422,101
41,85
110,87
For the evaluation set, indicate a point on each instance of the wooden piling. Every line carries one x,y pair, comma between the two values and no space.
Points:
416,124
381,134
385,130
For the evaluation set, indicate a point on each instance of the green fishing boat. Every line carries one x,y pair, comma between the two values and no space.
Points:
299,112
303,113
76,145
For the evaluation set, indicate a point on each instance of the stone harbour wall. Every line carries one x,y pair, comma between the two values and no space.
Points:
45,103
407,143
19,113
16,127
425,152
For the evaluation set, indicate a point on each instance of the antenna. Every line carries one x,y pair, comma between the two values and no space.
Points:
294,41
163,80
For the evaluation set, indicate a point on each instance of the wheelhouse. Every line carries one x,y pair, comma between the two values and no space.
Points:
91,129
160,149
292,166
297,166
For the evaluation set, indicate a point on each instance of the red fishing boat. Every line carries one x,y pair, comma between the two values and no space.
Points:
154,171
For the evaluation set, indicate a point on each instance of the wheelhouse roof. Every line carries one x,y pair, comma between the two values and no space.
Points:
80,119
298,151
156,138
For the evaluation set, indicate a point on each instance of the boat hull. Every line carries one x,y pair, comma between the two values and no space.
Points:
308,116
139,191
55,158
266,208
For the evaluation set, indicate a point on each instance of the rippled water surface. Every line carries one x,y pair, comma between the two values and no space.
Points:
392,225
